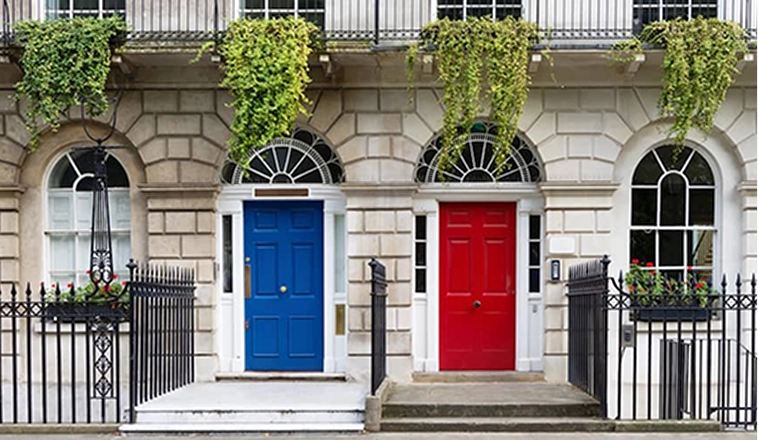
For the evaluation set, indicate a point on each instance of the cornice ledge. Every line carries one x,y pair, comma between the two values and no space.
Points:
190,189
17,189
747,186
578,189
383,188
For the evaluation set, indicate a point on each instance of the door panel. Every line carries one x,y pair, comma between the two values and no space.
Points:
284,309
477,267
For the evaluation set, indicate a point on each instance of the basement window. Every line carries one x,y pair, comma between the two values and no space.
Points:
85,8
462,9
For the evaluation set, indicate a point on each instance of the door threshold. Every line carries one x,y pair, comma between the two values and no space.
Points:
283,376
478,376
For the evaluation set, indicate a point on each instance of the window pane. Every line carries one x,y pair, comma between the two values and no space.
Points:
85,160
672,200
63,175
420,280
534,254
122,250
671,248
648,171
120,209
421,227
698,171
62,252
667,157
226,240
253,4
534,280
310,4
281,4
700,248
644,204
534,227
339,253
420,254
86,4
83,211
116,174
60,215
82,253
701,207
642,246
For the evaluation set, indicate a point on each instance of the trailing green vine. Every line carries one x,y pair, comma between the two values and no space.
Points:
470,52
698,68
266,70
65,61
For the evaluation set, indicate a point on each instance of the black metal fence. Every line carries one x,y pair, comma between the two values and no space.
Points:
588,328
63,356
89,354
162,344
385,21
378,324
674,350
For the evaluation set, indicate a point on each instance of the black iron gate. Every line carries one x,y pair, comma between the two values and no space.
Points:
664,350
378,324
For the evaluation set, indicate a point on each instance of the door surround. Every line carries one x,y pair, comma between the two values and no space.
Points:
529,306
229,337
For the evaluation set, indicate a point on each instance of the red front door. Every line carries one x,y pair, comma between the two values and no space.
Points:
477,286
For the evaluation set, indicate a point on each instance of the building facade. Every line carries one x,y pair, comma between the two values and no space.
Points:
281,250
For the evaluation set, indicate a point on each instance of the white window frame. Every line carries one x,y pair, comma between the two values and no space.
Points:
79,234
687,228
663,5
71,11
267,10
465,7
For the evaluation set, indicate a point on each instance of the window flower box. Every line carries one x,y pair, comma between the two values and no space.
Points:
87,303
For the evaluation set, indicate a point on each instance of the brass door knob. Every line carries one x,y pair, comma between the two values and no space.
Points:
477,304
283,289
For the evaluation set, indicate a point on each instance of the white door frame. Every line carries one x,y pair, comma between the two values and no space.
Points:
230,309
529,307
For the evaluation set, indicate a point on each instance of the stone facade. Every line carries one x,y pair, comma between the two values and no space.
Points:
175,128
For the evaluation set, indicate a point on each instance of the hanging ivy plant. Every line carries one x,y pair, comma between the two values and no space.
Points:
266,70
469,53
698,68
64,62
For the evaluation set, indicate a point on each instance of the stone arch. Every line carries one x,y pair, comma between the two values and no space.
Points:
303,157
476,163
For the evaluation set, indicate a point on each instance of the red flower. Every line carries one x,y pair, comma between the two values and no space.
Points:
115,276
652,272
88,272
649,264
69,285
42,283
52,285
699,285
635,261
123,283
689,268
631,288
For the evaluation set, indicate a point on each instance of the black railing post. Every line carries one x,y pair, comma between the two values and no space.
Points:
378,324
133,376
376,22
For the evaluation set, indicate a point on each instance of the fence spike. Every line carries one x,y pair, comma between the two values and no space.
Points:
723,283
752,282
13,292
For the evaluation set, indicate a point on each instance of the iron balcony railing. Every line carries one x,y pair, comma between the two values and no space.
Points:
573,22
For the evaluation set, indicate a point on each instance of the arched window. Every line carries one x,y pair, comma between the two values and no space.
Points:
69,216
673,206
303,157
477,163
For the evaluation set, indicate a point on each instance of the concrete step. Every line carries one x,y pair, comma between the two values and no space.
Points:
477,376
249,416
451,410
255,376
496,424
240,428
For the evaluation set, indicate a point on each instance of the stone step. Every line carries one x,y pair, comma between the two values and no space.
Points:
239,428
453,410
255,376
477,376
249,416
496,424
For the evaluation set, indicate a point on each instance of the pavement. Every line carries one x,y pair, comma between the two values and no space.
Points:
406,436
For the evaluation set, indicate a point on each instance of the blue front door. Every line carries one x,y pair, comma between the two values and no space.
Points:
284,297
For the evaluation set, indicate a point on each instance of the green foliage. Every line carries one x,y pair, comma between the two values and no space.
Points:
65,61
698,68
470,52
266,70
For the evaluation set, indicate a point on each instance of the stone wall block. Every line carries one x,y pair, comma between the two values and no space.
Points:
649,99
215,130
162,172
205,271
153,151
750,97
630,109
178,148
7,103
571,123
405,149
730,109
8,246
355,269
11,152
743,127
179,124
563,170
206,152
597,99
155,222
223,108
129,109
362,171
355,221
532,110
398,342
395,245
415,128
379,146
399,294
580,146
395,100
197,101
603,221
395,171
164,246
8,173
161,101
343,128
358,343
579,221
615,128
379,123
8,222
749,170
10,270
195,172
428,108
352,150
15,128
604,148
380,221
553,221
198,246
403,269
361,100
596,170
554,149
142,130
542,129
362,245
180,222
561,99
593,245
206,222
404,221
327,110
747,149
356,317
359,294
